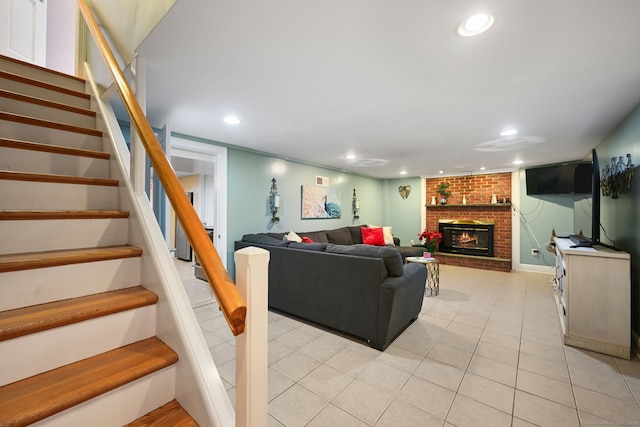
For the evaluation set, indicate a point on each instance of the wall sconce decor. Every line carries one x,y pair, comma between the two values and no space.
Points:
616,177
355,205
274,201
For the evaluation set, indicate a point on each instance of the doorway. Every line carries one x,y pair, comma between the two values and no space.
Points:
205,166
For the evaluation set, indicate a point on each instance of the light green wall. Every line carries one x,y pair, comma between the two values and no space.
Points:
402,214
619,217
249,181
538,216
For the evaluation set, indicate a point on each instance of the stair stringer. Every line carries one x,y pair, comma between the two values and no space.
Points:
198,385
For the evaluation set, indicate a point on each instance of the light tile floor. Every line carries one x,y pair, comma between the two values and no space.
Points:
486,352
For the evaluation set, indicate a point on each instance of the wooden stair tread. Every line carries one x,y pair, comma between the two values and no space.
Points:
50,148
45,85
31,260
39,67
27,120
45,103
28,320
53,178
8,215
170,414
35,398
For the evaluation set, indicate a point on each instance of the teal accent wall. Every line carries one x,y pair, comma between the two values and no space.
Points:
403,215
620,217
539,216
249,181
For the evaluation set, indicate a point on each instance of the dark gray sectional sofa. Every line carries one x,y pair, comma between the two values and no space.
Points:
362,290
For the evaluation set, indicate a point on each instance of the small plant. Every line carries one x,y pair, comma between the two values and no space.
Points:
430,239
443,190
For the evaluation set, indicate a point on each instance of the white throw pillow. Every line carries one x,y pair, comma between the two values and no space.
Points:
388,236
292,237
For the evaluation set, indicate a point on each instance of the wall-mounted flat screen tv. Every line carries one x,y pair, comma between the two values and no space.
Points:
563,178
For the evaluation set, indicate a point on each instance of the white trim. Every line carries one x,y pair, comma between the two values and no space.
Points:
423,203
515,222
182,147
532,268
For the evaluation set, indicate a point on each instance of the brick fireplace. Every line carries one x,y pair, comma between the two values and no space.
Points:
477,191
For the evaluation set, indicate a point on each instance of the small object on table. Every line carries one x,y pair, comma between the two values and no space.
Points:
433,273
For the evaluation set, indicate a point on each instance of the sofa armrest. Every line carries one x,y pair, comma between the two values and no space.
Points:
400,303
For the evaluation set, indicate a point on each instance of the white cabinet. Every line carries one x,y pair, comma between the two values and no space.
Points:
593,294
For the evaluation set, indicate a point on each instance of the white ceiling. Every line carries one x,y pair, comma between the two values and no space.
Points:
392,82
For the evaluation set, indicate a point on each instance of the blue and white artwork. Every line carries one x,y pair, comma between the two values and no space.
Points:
320,202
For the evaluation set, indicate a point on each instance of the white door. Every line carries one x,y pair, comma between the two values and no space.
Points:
23,30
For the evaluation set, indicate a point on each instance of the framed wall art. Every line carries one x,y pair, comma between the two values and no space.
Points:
320,202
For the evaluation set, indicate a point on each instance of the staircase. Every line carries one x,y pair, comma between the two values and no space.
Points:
78,342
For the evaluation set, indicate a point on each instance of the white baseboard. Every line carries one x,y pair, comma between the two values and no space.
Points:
536,268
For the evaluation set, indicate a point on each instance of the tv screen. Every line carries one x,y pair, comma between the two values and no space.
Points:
559,179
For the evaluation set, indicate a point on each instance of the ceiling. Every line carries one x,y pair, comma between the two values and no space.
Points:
393,83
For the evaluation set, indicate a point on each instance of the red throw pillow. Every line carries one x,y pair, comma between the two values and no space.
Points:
307,240
372,236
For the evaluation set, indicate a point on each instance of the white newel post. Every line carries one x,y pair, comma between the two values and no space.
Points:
252,272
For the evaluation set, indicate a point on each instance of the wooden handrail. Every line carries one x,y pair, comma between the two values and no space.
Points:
231,303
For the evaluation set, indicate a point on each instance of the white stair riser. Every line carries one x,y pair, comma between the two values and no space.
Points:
25,195
46,113
14,159
32,354
40,92
38,286
58,234
41,75
44,135
121,406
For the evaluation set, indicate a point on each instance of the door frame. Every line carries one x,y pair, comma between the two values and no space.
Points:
220,184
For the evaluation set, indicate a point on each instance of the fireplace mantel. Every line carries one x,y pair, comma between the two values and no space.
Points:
477,190
469,205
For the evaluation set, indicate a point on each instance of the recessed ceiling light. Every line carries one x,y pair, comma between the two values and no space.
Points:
440,171
482,168
350,156
231,120
509,132
403,172
517,162
476,24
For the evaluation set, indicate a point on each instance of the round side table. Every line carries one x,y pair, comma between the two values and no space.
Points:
433,273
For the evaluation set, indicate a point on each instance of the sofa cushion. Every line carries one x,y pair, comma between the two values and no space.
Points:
292,237
373,236
316,236
279,236
356,234
264,239
390,256
388,236
340,236
318,247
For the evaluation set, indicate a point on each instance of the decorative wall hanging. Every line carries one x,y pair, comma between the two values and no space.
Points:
355,205
320,203
274,201
616,177
404,191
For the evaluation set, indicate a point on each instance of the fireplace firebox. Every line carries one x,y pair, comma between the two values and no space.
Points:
467,237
